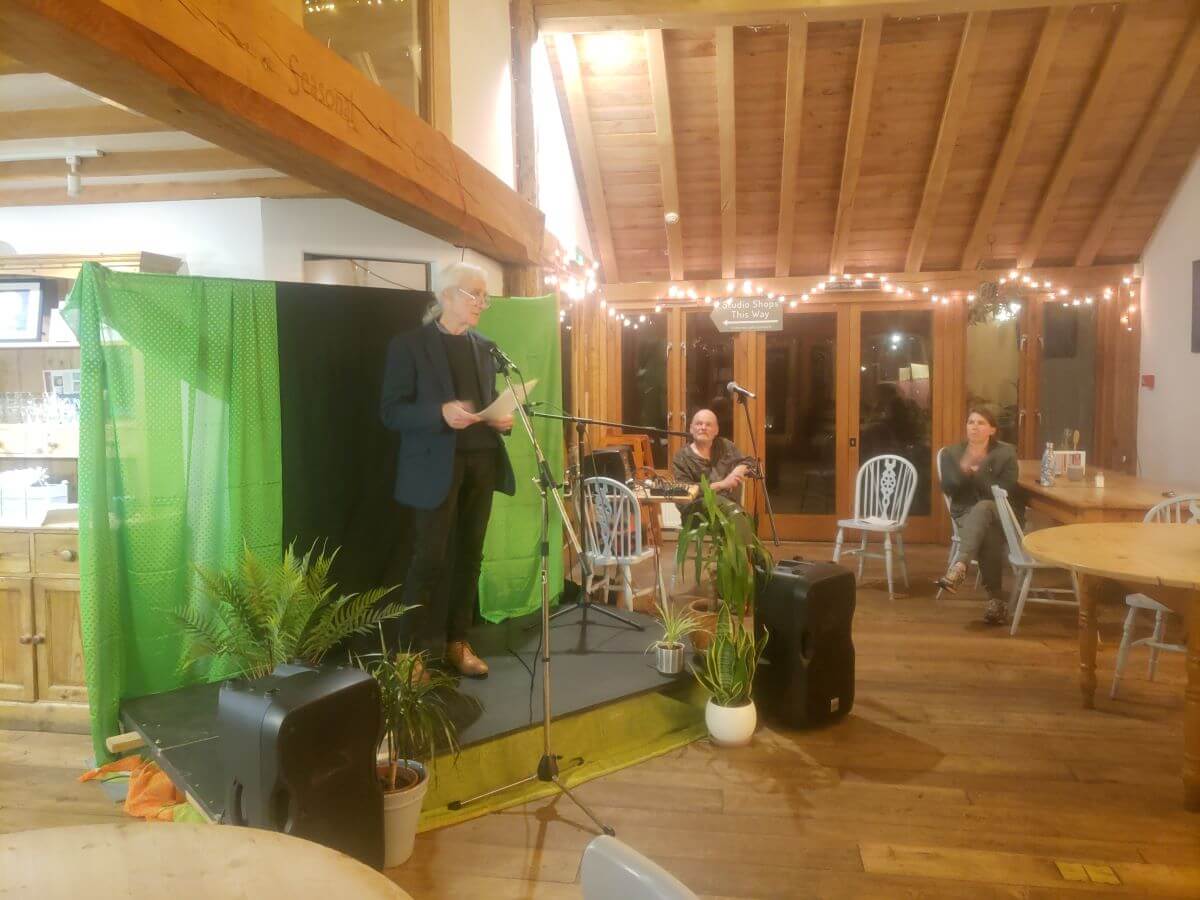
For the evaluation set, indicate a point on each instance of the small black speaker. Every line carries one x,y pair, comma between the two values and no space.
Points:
807,673
298,753
610,462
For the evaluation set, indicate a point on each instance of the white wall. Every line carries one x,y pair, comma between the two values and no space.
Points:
558,194
1169,415
481,83
292,228
216,237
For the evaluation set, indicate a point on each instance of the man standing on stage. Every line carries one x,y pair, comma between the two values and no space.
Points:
438,377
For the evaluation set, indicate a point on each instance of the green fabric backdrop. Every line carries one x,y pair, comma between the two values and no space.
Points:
179,462
526,328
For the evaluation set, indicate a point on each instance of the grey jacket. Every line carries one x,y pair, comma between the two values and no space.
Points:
999,468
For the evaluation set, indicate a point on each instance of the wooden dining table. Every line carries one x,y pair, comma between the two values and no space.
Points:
1112,560
1124,497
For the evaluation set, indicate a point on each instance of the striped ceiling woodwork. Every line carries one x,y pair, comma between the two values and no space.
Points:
1092,157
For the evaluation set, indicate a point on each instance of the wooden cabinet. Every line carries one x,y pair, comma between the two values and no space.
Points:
41,643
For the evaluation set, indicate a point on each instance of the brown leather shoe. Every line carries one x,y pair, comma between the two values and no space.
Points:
460,655
420,675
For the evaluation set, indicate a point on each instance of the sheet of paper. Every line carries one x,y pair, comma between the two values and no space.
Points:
506,403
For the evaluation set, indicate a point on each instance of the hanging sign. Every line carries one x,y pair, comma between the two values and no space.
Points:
748,314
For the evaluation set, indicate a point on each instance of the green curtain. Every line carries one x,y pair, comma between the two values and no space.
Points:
179,462
526,328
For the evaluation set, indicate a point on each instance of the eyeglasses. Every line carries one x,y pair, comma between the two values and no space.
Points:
479,299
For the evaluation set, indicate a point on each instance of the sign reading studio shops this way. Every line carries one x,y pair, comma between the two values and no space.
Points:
748,314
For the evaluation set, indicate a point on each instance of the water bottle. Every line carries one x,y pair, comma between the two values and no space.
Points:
1047,476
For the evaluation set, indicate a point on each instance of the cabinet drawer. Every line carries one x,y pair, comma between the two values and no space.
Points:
56,554
14,553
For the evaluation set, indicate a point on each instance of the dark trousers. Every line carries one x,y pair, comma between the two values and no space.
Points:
443,577
982,539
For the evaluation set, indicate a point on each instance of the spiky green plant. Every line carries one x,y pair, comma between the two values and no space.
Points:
416,709
724,553
677,623
732,659
267,613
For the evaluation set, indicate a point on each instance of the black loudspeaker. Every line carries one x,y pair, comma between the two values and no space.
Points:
298,752
807,674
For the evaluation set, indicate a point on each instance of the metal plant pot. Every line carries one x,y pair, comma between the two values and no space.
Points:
669,658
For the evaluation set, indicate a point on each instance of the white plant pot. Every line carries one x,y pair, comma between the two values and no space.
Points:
731,726
669,658
401,812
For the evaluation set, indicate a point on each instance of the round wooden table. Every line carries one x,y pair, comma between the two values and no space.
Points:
178,861
1159,560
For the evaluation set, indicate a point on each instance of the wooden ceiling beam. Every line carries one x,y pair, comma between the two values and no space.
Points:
74,121
1159,119
240,74
149,162
727,137
160,190
1082,135
1014,138
856,135
577,16
1079,278
792,117
973,36
665,139
585,146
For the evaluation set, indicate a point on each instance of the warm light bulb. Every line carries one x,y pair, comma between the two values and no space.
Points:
658,307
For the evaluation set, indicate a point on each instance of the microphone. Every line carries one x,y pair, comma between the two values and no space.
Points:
503,363
734,388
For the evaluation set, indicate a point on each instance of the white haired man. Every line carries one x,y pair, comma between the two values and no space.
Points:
450,462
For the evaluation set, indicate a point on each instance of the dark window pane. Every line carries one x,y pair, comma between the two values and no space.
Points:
801,410
993,368
1068,375
895,398
644,378
709,370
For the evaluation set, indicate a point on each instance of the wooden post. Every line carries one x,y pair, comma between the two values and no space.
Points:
523,281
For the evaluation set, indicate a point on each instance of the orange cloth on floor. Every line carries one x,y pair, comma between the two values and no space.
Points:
151,794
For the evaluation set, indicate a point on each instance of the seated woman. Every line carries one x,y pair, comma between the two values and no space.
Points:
969,470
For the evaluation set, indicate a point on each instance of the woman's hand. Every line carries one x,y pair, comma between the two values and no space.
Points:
972,459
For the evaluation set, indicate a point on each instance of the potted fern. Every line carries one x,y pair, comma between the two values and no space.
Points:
268,613
727,674
676,624
725,554
416,721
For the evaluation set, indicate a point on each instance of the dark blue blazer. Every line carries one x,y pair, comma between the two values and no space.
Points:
416,383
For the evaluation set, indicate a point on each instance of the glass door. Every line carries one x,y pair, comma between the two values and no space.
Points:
644,378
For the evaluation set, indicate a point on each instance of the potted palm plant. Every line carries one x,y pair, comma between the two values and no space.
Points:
676,624
727,674
416,722
725,554
268,613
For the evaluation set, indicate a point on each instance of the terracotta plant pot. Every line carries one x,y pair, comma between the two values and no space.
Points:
731,726
401,813
705,610
668,658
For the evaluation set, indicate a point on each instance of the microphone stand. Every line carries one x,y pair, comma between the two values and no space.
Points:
741,399
547,767
584,603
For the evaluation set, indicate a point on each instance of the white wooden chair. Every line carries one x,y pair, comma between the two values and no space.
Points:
1025,566
612,869
1179,511
613,539
955,540
883,493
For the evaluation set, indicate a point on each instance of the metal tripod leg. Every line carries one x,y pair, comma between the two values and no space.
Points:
607,829
586,605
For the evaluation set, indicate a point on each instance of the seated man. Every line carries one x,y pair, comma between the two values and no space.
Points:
713,456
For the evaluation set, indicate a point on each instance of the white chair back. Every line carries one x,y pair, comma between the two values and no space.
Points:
1183,510
1013,534
613,869
885,487
945,496
613,519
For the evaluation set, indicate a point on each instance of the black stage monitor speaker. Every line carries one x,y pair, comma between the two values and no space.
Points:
807,674
610,462
298,752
